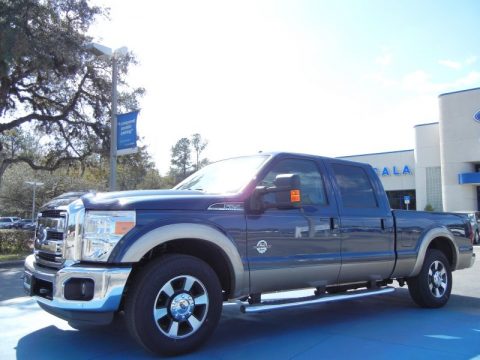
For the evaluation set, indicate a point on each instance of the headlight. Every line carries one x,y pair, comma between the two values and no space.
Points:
102,231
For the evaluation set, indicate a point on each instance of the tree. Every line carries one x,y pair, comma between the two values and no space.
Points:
199,145
181,158
16,195
134,171
51,84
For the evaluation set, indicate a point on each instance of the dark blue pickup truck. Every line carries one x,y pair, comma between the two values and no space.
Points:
235,230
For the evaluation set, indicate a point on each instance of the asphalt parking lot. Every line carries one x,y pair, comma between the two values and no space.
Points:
383,327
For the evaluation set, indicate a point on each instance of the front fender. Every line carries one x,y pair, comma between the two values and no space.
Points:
425,242
166,233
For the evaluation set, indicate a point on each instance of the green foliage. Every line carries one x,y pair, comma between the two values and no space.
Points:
429,207
181,157
135,171
16,196
15,241
53,86
199,146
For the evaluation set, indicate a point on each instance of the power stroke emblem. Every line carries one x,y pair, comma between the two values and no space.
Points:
262,247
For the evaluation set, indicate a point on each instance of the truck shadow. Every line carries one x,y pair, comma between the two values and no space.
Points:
389,326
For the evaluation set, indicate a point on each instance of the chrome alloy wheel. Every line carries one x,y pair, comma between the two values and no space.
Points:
437,279
181,307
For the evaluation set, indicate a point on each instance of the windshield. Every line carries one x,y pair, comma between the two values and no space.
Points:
224,177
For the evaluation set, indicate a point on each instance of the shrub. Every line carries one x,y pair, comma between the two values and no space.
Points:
429,208
15,241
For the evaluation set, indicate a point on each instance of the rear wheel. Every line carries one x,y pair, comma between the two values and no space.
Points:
432,286
174,305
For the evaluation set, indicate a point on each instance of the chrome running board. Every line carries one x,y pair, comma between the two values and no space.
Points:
310,300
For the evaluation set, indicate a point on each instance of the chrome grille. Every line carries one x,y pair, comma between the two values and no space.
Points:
49,237
52,213
55,235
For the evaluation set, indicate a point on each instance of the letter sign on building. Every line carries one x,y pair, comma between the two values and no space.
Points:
406,170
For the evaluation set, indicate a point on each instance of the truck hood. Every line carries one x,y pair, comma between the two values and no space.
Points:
151,200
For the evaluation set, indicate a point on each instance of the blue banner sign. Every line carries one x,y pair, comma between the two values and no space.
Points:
127,133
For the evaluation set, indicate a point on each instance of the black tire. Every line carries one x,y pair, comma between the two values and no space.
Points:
174,304
432,286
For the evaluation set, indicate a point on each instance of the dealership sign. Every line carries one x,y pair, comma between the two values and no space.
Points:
394,170
476,116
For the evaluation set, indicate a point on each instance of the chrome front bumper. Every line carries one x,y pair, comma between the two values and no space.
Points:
53,288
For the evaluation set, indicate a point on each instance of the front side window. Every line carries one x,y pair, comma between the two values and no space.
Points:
312,188
356,189
224,177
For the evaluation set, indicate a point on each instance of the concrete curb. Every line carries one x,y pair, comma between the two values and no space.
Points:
11,263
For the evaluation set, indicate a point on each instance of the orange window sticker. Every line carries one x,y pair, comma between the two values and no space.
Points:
294,196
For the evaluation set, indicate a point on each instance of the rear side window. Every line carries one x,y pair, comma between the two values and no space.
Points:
356,189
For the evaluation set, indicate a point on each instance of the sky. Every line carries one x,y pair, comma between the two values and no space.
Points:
330,78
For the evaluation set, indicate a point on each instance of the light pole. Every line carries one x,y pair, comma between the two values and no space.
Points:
114,55
35,184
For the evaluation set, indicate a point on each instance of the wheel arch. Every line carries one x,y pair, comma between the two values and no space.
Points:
440,239
198,240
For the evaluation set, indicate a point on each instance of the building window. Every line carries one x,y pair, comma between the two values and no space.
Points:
434,188
397,199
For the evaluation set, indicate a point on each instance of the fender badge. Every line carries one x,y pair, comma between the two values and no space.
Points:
262,247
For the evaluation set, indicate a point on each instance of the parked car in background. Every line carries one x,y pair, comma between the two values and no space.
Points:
25,224
474,218
29,225
6,222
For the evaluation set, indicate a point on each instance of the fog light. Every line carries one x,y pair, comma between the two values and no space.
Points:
79,289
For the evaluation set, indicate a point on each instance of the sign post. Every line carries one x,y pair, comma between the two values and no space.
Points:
406,200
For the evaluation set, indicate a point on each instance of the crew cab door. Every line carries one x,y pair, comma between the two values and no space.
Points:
294,248
367,229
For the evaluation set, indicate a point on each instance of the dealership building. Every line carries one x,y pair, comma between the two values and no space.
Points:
443,171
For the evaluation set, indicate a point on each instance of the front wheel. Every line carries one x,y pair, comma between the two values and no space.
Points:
174,304
432,286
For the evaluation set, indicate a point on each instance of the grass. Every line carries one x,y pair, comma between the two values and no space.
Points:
11,257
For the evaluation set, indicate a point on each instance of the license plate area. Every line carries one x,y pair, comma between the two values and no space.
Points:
37,287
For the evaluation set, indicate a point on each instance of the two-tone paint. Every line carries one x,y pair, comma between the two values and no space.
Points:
278,249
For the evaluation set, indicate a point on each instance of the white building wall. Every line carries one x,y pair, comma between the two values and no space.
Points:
459,147
427,155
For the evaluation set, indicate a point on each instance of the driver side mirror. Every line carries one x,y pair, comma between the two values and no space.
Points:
284,194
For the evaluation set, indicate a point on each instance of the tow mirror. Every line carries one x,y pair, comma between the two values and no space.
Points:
284,194
287,191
